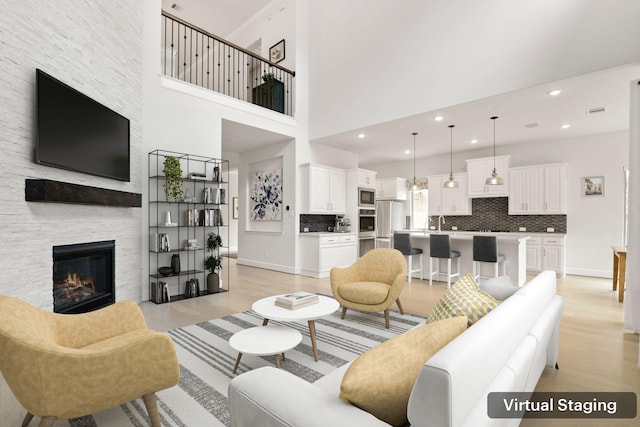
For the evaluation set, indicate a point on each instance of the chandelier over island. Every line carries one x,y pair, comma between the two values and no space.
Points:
415,184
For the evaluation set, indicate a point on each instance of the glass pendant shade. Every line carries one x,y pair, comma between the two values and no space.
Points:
451,182
416,184
494,179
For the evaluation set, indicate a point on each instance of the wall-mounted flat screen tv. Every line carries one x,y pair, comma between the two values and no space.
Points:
75,132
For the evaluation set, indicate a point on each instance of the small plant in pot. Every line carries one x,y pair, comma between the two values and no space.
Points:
267,77
173,172
213,263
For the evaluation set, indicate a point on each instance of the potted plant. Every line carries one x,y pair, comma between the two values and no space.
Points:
213,263
268,77
173,172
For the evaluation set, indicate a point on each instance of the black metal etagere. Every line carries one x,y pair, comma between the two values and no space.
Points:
202,209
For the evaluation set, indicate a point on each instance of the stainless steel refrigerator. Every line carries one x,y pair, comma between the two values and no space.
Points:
389,218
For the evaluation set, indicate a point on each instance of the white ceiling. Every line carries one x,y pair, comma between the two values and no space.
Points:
387,142
220,17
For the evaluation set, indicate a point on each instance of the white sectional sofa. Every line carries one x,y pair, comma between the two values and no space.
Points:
505,351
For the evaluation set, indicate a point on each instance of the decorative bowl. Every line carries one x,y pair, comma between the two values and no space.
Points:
165,271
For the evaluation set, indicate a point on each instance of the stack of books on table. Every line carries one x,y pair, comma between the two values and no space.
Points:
296,300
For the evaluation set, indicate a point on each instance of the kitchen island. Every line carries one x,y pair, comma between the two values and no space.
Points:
512,246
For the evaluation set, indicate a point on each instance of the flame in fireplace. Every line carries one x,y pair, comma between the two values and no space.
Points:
73,280
73,288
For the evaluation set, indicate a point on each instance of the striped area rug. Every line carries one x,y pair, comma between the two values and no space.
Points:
206,362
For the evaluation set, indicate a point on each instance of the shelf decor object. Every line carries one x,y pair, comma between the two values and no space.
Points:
494,179
185,213
415,184
173,184
451,182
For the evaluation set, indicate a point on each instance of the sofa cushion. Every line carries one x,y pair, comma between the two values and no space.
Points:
500,287
380,380
365,292
463,299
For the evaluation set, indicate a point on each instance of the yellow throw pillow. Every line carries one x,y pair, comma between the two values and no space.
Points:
464,299
380,380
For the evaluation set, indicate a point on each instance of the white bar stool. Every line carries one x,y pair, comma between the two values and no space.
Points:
402,242
485,249
440,248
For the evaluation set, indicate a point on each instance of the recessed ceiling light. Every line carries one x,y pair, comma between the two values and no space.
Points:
474,141
555,92
438,118
565,126
407,151
361,135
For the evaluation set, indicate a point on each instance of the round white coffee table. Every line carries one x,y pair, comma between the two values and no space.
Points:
267,308
264,341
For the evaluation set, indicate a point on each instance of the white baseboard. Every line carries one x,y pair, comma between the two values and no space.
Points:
267,266
605,274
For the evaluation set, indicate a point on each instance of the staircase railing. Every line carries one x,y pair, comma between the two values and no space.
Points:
198,57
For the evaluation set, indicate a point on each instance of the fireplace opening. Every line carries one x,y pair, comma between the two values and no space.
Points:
83,276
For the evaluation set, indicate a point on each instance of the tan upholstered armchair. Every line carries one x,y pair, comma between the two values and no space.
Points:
372,284
69,365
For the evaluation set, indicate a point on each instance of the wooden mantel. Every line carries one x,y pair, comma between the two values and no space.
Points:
48,191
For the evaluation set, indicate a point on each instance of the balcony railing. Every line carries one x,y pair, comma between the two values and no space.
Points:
198,57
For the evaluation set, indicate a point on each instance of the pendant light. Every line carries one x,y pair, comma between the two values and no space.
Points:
494,179
451,182
415,184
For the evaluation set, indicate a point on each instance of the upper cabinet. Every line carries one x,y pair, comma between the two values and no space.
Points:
478,170
324,189
391,189
448,201
366,178
538,189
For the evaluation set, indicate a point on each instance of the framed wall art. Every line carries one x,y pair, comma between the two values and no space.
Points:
266,196
593,186
276,52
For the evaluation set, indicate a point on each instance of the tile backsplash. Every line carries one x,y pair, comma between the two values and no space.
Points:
317,222
493,214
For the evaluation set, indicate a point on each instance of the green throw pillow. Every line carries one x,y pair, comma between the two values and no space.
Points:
380,380
464,299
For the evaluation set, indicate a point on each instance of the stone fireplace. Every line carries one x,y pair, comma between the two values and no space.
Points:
83,276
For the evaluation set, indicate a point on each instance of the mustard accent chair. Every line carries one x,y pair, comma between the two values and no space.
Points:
373,283
63,366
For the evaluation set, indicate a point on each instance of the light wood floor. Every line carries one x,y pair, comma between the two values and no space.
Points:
596,354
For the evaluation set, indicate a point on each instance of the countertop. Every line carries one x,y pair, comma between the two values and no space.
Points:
486,233
326,233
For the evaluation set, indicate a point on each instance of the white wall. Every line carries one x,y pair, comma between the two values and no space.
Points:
185,118
377,60
594,224
73,42
274,23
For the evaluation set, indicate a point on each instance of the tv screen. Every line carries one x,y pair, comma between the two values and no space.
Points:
75,132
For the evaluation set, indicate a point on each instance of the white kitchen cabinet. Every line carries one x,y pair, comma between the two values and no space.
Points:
448,201
323,251
555,189
366,178
325,189
546,253
538,190
478,170
391,189
534,254
553,254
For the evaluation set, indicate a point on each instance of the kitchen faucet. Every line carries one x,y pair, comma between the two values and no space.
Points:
441,217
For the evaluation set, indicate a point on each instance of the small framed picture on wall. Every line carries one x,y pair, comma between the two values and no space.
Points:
276,52
593,186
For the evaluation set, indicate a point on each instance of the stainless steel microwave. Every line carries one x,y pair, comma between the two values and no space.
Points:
366,197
